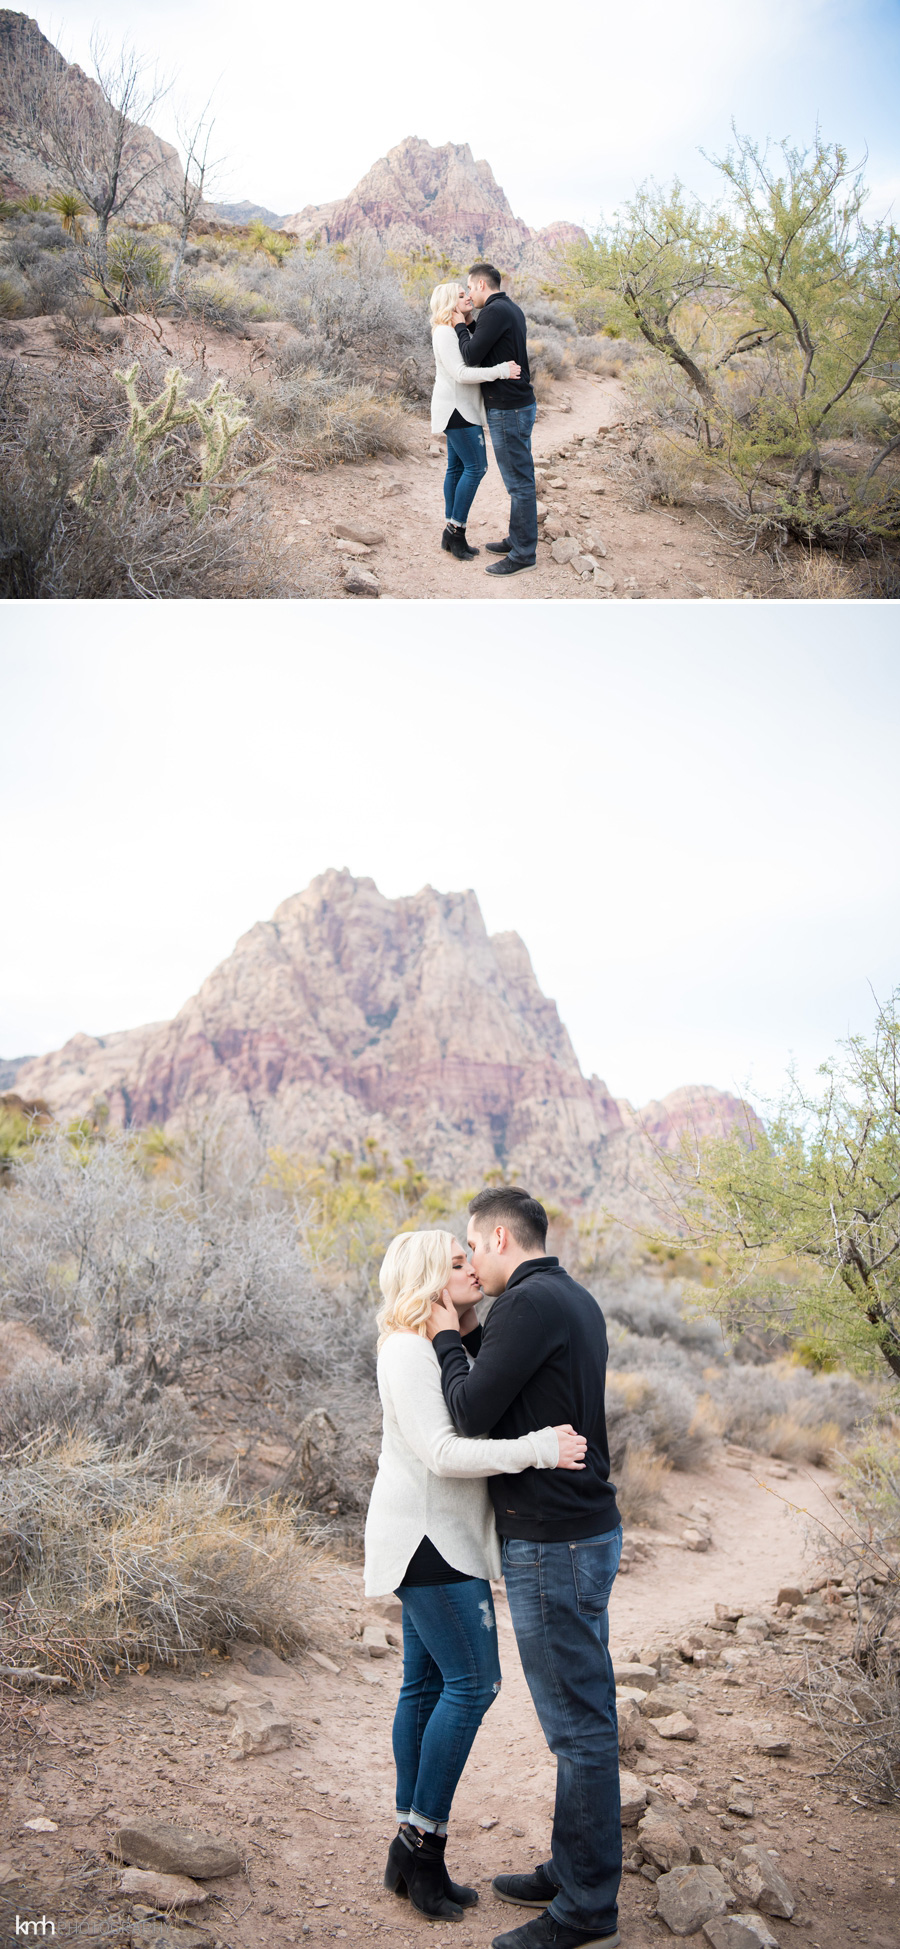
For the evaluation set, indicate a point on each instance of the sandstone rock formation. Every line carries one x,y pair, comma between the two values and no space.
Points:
24,52
419,198
348,1015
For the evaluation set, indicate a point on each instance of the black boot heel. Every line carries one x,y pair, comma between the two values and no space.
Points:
424,1874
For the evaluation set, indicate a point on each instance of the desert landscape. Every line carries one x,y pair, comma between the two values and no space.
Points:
237,401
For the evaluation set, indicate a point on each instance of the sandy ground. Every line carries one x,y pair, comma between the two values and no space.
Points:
314,1819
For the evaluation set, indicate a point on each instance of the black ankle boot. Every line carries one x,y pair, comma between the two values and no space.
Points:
417,1860
468,552
447,539
455,1891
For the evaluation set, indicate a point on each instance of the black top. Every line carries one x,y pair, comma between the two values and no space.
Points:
427,1566
541,1361
456,423
498,333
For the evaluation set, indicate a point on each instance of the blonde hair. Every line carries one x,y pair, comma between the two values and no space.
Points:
444,300
414,1271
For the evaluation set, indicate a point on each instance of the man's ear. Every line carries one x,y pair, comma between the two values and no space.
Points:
501,1239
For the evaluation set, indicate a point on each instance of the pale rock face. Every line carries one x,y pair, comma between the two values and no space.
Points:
417,197
23,172
348,1015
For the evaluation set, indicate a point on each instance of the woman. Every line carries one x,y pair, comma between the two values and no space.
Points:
430,1538
457,409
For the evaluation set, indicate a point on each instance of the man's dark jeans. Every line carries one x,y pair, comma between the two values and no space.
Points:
511,440
558,1596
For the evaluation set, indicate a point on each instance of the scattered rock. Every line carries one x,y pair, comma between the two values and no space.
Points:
665,1698
354,549
259,1660
725,1615
789,1594
680,1789
644,1676
40,1825
740,1803
690,1896
633,1795
489,1820
374,1642
564,549
369,537
691,1642
630,1695
258,1728
695,1539
541,510
631,1725
773,1744
171,1849
594,546
676,1726
327,1664
739,1932
392,487
554,527
360,581
663,1842
162,1891
757,1875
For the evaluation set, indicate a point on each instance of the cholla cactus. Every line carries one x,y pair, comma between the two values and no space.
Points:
219,417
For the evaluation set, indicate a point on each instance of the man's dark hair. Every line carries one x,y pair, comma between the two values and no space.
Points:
509,1205
492,277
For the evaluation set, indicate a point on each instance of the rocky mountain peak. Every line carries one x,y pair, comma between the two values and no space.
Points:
350,1014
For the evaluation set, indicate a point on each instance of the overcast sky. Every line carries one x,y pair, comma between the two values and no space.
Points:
572,107
691,813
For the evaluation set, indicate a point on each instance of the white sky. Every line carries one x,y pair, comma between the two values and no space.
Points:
691,813
571,108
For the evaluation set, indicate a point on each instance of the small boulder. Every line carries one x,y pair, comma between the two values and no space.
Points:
162,1891
554,527
739,1932
773,1744
258,1728
680,1789
631,1725
630,1695
663,1842
369,537
758,1875
789,1594
740,1803
353,550
360,582
564,549
633,1796
644,1676
260,1661
374,1643
677,1725
690,1896
695,1539
171,1849
663,1699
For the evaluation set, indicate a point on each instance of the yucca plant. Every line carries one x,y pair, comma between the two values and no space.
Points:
69,209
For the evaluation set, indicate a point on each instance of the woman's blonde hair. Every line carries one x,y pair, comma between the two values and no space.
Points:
444,300
414,1271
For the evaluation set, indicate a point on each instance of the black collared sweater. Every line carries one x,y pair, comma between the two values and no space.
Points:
498,333
540,1360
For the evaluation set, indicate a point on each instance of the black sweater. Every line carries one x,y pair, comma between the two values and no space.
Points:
498,334
540,1360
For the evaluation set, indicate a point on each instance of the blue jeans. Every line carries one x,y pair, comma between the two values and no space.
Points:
466,469
558,1595
451,1674
511,440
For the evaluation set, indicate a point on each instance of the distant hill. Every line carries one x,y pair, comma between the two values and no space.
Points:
246,212
420,198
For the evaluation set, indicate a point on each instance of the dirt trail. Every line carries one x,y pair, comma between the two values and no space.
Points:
655,552
315,1818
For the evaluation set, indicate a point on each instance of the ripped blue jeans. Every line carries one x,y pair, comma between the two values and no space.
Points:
451,1674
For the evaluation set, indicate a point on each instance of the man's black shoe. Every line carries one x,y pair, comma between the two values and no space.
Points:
498,547
544,1933
508,566
525,1891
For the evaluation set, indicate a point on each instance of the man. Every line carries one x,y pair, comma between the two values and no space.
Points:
498,333
540,1359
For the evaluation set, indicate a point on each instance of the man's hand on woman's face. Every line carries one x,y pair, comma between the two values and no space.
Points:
444,1317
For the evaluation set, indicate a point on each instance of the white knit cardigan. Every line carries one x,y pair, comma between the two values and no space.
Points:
457,384
430,1480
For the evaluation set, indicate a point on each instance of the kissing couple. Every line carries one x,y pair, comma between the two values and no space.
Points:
495,1455
482,380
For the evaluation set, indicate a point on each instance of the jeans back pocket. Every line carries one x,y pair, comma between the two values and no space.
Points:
594,1566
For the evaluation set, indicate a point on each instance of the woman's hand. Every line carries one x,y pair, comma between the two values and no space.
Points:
572,1447
444,1317
515,371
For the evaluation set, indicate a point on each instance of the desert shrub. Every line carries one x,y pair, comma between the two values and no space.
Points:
640,1482
807,1415
110,1560
220,301
320,420
137,271
85,513
92,1393
548,352
38,264
344,303
660,1315
655,1413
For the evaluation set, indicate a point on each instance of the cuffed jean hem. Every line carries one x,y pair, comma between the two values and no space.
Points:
427,1826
